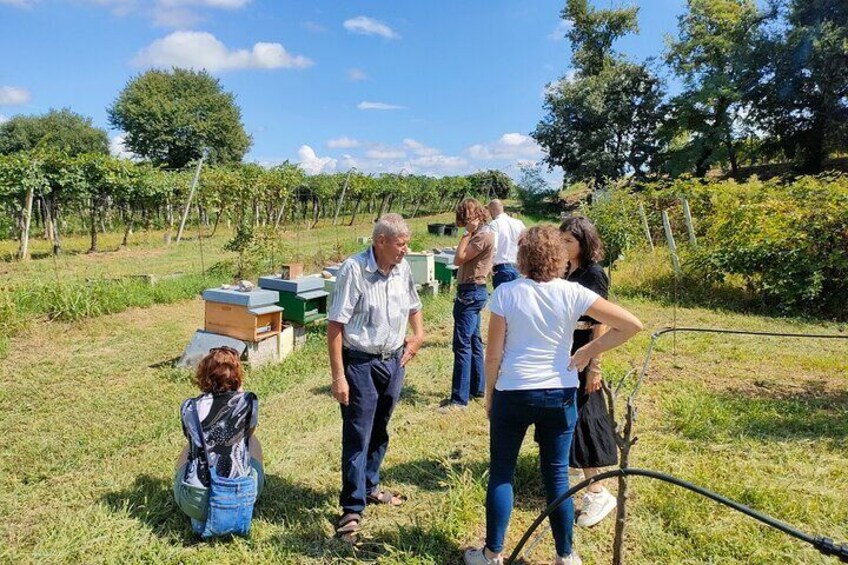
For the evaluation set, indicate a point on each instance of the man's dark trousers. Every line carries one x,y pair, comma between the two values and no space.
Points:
375,385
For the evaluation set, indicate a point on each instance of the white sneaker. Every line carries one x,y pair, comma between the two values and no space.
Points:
478,557
572,559
596,506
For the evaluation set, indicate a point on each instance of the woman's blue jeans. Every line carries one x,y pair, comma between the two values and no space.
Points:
554,413
468,374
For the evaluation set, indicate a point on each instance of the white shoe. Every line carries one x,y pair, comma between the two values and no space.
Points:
596,506
572,559
478,557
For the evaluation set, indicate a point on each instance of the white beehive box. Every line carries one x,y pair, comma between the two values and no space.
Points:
423,267
329,287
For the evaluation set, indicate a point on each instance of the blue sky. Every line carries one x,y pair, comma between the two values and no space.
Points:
446,87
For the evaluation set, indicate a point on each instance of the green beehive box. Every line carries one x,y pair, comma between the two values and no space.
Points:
305,307
445,273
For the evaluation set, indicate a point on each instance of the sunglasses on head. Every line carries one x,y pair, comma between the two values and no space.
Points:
225,349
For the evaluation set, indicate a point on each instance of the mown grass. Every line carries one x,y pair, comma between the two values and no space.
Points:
91,431
89,413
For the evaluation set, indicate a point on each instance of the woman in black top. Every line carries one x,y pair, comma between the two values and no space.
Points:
593,445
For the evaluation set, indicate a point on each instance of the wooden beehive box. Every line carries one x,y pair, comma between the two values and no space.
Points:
251,316
303,300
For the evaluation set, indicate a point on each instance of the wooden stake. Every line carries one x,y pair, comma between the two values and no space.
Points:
687,215
671,245
190,196
645,226
23,252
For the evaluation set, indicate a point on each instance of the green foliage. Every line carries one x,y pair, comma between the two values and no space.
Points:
61,131
533,190
785,242
75,300
712,55
593,32
492,184
614,213
601,122
788,242
170,117
800,76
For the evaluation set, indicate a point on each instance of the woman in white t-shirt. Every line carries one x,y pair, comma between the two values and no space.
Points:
533,380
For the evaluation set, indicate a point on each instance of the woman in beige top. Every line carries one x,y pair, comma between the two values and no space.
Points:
474,259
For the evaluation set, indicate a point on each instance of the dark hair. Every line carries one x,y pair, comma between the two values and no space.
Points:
220,371
541,253
586,234
470,209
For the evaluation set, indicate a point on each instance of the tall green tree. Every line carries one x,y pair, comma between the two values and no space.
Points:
711,54
62,131
170,117
801,94
602,120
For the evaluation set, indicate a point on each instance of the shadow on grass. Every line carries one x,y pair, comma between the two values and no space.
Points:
150,500
770,413
165,364
411,542
433,474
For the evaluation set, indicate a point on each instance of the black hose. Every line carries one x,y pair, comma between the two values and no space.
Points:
826,546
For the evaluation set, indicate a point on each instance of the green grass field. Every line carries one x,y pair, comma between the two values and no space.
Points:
91,431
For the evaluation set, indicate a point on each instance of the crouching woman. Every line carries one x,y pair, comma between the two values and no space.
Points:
219,473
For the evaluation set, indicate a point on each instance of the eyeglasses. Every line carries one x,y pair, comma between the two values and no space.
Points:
225,349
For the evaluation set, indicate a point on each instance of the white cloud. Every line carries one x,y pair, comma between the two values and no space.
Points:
176,17
419,148
439,164
368,26
561,29
202,50
385,153
348,162
313,164
14,96
343,143
356,75
118,149
365,105
3,119
510,146
19,3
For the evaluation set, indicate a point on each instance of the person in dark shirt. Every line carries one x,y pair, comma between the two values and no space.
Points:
594,445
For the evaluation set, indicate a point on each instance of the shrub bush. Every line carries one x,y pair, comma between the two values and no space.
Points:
787,242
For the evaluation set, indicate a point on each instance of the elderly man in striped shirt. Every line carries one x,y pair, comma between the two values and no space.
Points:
374,300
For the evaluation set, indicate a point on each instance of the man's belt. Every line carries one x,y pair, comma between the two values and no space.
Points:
503,265
354,354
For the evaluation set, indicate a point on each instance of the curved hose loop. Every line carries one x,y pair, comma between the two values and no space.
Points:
824,545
